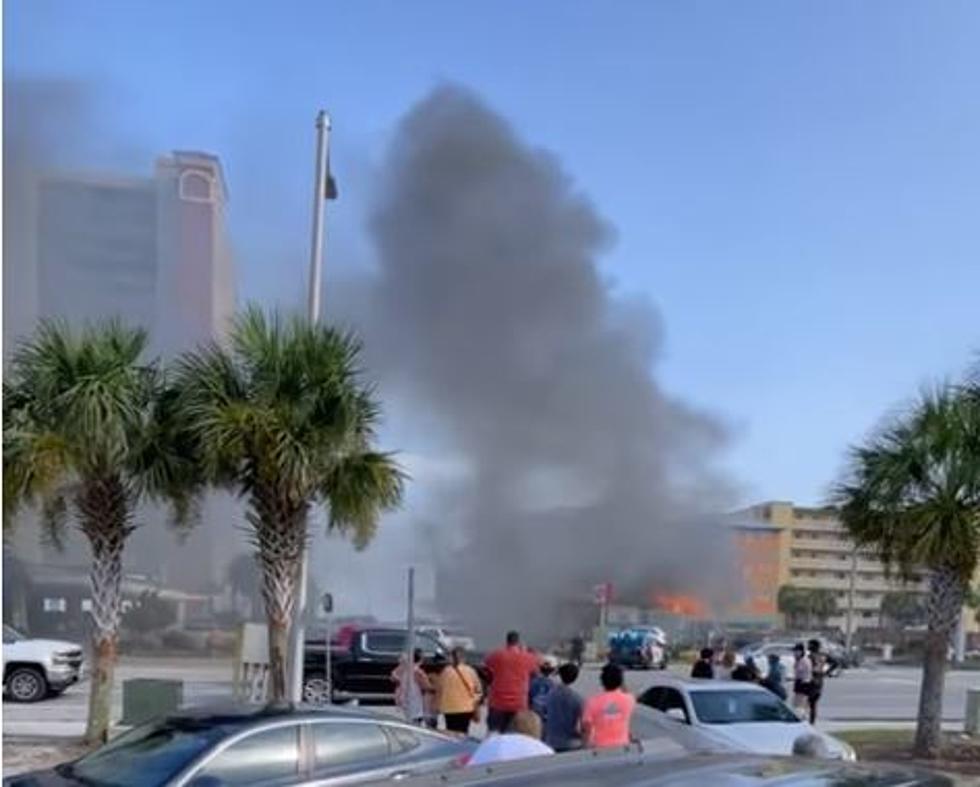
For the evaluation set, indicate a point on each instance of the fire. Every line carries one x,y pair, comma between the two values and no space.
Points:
681,605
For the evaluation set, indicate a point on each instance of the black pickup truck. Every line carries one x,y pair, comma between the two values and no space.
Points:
361,662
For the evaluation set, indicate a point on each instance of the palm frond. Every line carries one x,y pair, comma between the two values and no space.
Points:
81,408
282,412
358,489
912,491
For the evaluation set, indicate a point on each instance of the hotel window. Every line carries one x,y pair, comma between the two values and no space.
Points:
196,186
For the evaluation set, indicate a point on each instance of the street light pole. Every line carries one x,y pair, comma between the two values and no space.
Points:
320,195
850,603
319,199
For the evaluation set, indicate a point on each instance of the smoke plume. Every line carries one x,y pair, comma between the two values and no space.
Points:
491,316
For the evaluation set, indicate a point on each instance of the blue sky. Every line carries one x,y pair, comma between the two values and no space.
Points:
796,185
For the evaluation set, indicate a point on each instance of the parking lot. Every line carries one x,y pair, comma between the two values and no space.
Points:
883,695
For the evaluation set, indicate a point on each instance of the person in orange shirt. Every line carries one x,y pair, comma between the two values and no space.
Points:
459,692
606,717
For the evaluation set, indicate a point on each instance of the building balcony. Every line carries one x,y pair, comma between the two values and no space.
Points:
860,585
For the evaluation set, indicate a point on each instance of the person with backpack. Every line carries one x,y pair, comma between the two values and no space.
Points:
459,693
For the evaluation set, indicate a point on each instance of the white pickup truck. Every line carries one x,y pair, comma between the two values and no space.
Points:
34,669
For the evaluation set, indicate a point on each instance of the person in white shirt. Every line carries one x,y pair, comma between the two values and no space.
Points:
802,680
522,740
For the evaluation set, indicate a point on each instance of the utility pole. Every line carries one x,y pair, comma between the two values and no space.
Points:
850,602
321,192
408,672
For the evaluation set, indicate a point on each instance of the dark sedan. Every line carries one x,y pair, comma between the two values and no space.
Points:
250,746
618,768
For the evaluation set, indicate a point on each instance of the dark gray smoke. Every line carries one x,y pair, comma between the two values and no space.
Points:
491,314
33,114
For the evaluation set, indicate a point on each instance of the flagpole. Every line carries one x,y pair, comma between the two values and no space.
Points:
298,641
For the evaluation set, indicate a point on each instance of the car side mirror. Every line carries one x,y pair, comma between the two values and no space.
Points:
676,714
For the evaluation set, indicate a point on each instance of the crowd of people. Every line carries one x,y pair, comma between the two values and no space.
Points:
528,712
810,667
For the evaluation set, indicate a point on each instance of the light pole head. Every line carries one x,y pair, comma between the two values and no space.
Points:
323,119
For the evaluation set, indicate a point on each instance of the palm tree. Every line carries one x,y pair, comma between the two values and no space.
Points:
86,438
793,602
903,608
282,417
912,492
822,605
814,605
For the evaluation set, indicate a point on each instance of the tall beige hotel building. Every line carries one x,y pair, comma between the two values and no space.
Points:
151,251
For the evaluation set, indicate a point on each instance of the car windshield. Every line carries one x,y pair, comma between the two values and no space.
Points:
147,756
739,707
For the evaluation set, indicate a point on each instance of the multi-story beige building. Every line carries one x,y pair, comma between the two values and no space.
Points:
151,251
811,549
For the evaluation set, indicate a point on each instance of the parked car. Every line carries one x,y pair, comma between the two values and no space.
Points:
34,669
616,768
249,746
760,653
733,715
837,656
362,660
449,637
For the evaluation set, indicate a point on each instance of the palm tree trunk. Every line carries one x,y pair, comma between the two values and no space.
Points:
278,659
104,511
280,537
946,595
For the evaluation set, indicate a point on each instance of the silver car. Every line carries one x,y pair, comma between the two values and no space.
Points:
248,746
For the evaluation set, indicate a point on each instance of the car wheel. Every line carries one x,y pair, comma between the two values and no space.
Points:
316,690
27,684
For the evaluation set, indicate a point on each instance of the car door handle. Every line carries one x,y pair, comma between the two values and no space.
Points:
399,775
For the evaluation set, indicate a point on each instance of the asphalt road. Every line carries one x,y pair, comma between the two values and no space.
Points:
864,696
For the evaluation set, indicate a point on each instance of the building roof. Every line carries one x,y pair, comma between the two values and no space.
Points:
78,576
208,160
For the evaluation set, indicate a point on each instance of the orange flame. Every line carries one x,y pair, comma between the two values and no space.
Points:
681,605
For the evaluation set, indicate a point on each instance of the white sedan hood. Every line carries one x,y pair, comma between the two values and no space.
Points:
766,737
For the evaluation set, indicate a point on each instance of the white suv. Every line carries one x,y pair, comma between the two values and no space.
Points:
37,668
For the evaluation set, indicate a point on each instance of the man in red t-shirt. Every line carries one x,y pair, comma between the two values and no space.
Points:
510,668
